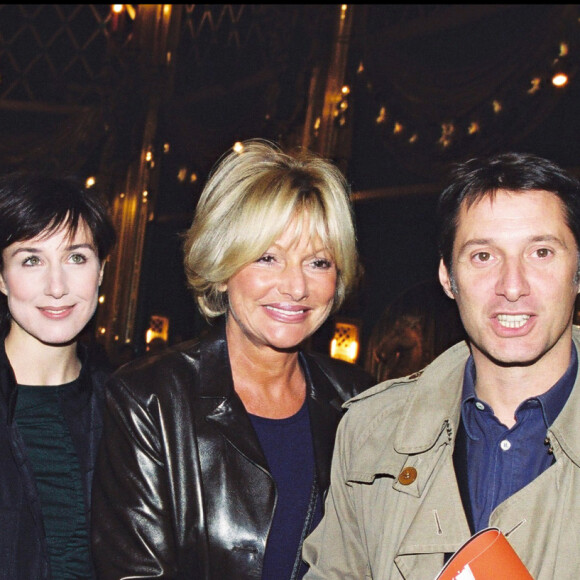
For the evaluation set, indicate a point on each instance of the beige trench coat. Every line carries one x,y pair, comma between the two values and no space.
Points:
377,527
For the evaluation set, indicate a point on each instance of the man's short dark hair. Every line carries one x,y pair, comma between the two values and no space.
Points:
518,172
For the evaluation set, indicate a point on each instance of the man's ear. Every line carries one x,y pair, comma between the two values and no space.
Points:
445,279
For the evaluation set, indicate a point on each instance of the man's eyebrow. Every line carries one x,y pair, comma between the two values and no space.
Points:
532,239
476,242
548,238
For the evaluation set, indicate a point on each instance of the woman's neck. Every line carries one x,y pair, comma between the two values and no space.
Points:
36,363
270,383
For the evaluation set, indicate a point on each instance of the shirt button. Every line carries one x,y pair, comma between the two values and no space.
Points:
480,405
505,445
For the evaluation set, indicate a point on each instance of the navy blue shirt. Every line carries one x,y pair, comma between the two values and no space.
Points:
287,445
502,461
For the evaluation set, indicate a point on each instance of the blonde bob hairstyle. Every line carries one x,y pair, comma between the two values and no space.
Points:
249,200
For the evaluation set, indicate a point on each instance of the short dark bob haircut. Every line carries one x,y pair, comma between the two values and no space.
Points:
33,204
478,178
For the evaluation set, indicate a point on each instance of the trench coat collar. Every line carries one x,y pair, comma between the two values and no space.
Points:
567,424
436,401
432,411
430,415
434,404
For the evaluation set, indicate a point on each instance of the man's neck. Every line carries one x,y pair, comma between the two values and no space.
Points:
504,388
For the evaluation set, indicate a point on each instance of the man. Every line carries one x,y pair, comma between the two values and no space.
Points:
489,433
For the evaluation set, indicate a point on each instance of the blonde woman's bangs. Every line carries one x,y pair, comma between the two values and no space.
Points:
249,202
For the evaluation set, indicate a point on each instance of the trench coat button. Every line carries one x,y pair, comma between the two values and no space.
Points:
408,476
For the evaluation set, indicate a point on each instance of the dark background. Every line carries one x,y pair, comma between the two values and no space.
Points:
429,85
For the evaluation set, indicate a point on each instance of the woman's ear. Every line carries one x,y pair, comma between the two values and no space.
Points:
3,287
102,272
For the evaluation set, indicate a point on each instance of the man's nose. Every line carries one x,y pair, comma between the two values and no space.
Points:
513,280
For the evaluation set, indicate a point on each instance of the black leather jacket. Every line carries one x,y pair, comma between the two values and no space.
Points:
182,488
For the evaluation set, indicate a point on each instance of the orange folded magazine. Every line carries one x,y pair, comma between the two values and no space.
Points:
487,555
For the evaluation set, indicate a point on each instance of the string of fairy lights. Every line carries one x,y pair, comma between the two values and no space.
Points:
558,78
409,123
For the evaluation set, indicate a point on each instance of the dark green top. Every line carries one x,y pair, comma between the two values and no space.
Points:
58,479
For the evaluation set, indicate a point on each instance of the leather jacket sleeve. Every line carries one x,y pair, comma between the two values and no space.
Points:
152,509
130,495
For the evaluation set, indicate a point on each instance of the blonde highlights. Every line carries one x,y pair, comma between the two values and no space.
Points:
249,200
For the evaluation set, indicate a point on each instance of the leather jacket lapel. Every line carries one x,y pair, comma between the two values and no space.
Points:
231,419
324,408
228,413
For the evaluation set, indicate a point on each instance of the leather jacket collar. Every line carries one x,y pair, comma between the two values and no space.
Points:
229,415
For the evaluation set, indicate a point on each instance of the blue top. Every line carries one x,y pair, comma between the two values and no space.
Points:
502,461
57,474
287,446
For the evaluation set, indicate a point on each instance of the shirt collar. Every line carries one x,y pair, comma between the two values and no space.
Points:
552,401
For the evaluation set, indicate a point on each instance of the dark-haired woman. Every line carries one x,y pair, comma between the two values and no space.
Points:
54,238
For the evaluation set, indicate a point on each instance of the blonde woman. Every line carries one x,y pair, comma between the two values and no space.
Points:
216,455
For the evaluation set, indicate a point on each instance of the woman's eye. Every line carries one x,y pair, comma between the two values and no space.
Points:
31,261
322,263
78,259
266,259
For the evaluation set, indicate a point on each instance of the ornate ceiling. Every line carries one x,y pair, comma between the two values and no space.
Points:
429,82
